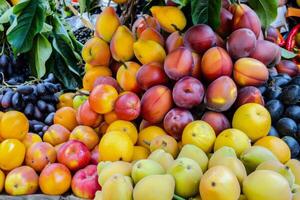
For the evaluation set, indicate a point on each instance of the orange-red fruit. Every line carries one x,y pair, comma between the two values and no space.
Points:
87,116
215,63
96,52
199,38
66,116
196,70
174,41
108,81
221,94
144,22
250,72
287,67
152,34
224,28
241,43
249,94
150,75
155,103
263,53
128,106
218,121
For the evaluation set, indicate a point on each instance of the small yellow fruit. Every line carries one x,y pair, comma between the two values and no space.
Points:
125,127
148,134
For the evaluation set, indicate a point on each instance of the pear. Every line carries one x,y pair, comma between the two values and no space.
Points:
155,187
187,175
101,165
266,185
163,158
296,196
98,195
117,187
296,188
222,152
195,153
294,165
145,167
254,156
242,197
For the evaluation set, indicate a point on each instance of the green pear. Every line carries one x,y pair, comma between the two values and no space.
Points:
254,156
195,153
117,187
294,165
145,167
163,158
187,175
155,187
223,152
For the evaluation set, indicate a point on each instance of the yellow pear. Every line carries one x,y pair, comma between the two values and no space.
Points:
147,51
117,187
294,165
163,158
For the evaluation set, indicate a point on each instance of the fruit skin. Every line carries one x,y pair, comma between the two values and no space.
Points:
107,23
85,182
66,117
187,175
176,120
224,28
188,92
143,22
78,100
148,134
165,142
196,70
200,44
12,150
219,58
144,168
102,98
139,153
219,183
2,180
261,52
217,121
65,100
96,52
200,134
241,43
74,154
125,127
56,134
220,94
287,67
174,41
154,187
155,103
128,106
222,152
253,119
178,63
109,81
169,17
278,147
294,165
249,94
117,187
293,145
151,34
39,155
30,139
55,179
121,44
21,181
126,76
266,184
90,76
150,75
14,125
86,135
163,158
116,146
86,116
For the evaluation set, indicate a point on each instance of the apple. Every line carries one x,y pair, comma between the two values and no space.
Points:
85,182
78,100
128,106
74,154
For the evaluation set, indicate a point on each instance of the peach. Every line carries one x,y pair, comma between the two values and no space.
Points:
56,134
30,139
95,156
218,121
21,181
152,34
287,67
196,70
176,120
250,72
57,147
200,38
249,94
66,100
102,128
66,117
224,28
109,81
174,41
220,94
155,103
128,106
126,76
87,116
188,92
144,22
39,155
86,135
262,52
221,62
150,75
90,76
241,43
96,52
178,63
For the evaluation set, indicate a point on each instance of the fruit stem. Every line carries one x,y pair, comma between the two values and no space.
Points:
108,3
125,65
176,197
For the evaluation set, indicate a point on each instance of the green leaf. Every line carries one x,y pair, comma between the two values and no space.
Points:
206,12
84,5
46,28
30,21
287,54
176,197
4,6
181,3
20,6
5,17
41,52
265,9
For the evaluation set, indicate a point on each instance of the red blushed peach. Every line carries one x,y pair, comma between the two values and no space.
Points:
250,72
85,182
155,103
86,135
109,81
95,156
224,28
287,67
188,92
221,94
196,70
56,134
39,155
176,120
249,94
87,116
217,121
21,181
152,34
128,106
150,75
221,62
144,22
178,63
262,52
174,41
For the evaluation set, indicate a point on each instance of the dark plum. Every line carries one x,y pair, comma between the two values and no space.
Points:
273,93
286,127
293,145
291,95
293,112
275,108
273,132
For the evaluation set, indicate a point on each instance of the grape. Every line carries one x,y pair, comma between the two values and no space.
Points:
51,108
51,88
37,113
37,127
50,78
29,109
24,89
49,119
16,100
6,99
41,89
42,105
45,128
4,61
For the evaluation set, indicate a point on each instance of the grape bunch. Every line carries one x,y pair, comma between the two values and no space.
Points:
37,99
83,34
282,97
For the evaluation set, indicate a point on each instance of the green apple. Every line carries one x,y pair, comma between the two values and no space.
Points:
78,100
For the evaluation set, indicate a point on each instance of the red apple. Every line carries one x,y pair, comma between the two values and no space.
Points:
128,106
85,182
74,154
